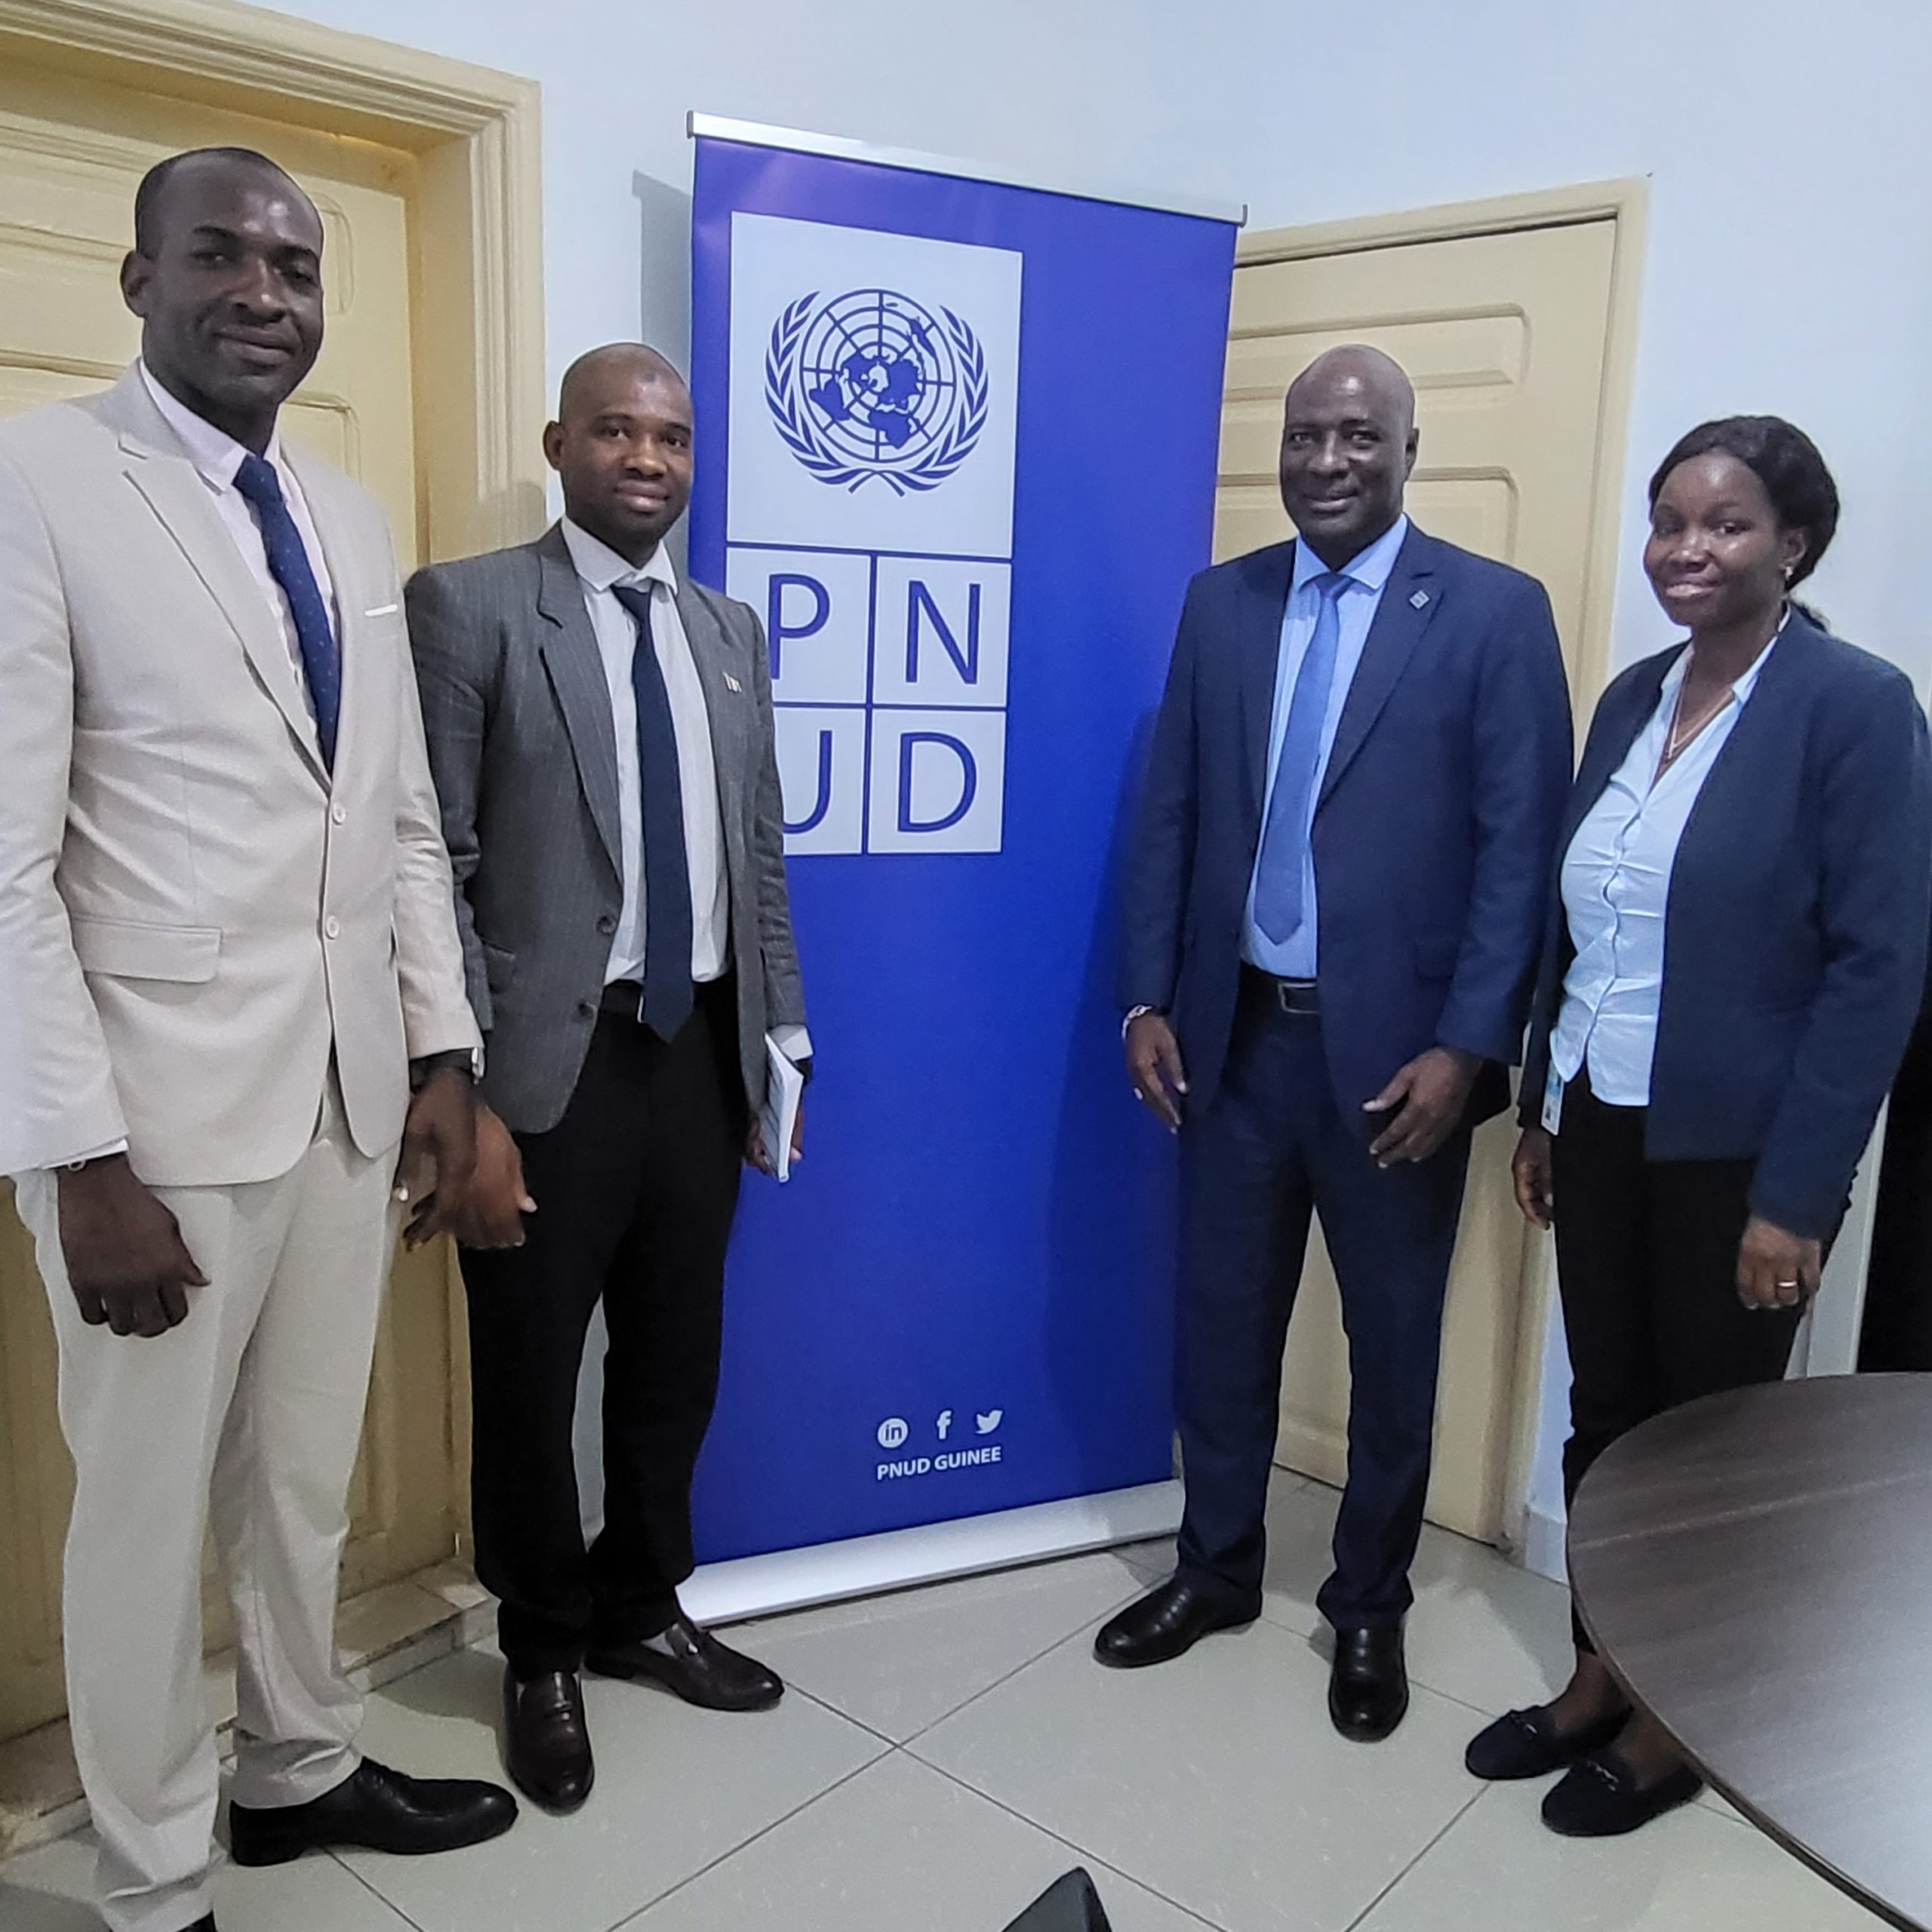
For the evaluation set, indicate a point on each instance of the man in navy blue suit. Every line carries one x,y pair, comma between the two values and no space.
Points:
1333,911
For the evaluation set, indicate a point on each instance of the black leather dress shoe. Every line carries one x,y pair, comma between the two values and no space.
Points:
1599,1798
1368,1683
696,1666
376,1810
546,1739
1524,1744
1168,1621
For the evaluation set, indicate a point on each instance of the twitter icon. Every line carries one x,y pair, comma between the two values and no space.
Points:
988,1422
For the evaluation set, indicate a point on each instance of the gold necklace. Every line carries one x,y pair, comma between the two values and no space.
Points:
1682,736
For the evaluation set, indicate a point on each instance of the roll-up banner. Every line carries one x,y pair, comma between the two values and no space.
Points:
956,446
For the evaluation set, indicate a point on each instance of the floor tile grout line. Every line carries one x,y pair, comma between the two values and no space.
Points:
1072,1845
764,1832
932,1723
380,1896
891,1745
1450,1697
832,1710
1419,1682
986,1690
1462,1811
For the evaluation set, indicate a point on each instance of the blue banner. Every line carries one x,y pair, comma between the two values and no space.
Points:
956,444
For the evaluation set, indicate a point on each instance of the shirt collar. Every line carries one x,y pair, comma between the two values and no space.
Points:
1369,568
601,567
1746,683
214,453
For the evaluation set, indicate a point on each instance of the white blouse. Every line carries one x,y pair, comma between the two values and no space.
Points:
1615,886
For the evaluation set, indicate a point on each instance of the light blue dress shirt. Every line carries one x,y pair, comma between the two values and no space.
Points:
1293,958
1616,884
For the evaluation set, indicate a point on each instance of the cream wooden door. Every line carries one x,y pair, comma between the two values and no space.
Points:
70,155
1504,335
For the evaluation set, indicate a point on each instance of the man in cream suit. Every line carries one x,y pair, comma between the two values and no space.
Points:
600,732
228,955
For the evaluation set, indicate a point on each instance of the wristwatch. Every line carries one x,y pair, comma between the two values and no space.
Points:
1134,1013
467,1061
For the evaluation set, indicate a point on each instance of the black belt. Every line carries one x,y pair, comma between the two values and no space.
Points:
1300,997
624,998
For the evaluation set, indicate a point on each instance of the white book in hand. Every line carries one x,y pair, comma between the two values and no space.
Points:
784,1085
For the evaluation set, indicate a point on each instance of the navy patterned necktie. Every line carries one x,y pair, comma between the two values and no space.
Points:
289,565
667,877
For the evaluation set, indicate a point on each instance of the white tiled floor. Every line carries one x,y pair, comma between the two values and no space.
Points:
944,1753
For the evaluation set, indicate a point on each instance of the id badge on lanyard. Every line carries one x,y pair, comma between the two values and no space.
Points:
1552,1101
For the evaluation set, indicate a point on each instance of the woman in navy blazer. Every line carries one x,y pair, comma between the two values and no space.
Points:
1736,953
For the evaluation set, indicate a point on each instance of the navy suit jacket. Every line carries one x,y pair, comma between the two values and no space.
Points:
1433,832
1795,928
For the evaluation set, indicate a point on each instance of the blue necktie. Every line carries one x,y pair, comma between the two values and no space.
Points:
1278,885
667,877
289,565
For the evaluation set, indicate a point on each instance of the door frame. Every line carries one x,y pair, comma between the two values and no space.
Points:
476,216
476,267
1624,204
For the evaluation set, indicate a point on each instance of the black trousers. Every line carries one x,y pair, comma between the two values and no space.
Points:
1647,1257
635,1188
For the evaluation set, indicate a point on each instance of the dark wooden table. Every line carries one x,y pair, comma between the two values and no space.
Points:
1757,1569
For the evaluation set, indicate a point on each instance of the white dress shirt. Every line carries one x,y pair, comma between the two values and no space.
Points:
600,569
1616,885
1367,574
216,456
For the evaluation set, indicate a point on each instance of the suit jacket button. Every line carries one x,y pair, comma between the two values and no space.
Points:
607,925
586,1007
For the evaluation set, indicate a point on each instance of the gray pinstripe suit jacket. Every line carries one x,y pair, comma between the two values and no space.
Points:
524,750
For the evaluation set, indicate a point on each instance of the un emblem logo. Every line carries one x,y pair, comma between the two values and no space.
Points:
869,384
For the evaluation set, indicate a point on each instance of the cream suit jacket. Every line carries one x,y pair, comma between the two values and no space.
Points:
192,913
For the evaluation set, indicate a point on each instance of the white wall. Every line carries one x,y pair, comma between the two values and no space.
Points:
1789,148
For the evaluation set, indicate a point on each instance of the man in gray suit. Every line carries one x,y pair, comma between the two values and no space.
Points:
601,735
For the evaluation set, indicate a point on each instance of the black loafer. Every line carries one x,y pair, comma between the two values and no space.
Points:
1166,1623
375,1810
1368,1683
1524,1744
696,1666
546,1739
1599,1798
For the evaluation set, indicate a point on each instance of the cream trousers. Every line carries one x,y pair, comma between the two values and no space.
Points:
246,1417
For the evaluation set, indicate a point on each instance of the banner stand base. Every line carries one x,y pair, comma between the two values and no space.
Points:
931,1553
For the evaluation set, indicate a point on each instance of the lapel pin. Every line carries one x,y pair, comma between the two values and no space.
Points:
733,682
1420,598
